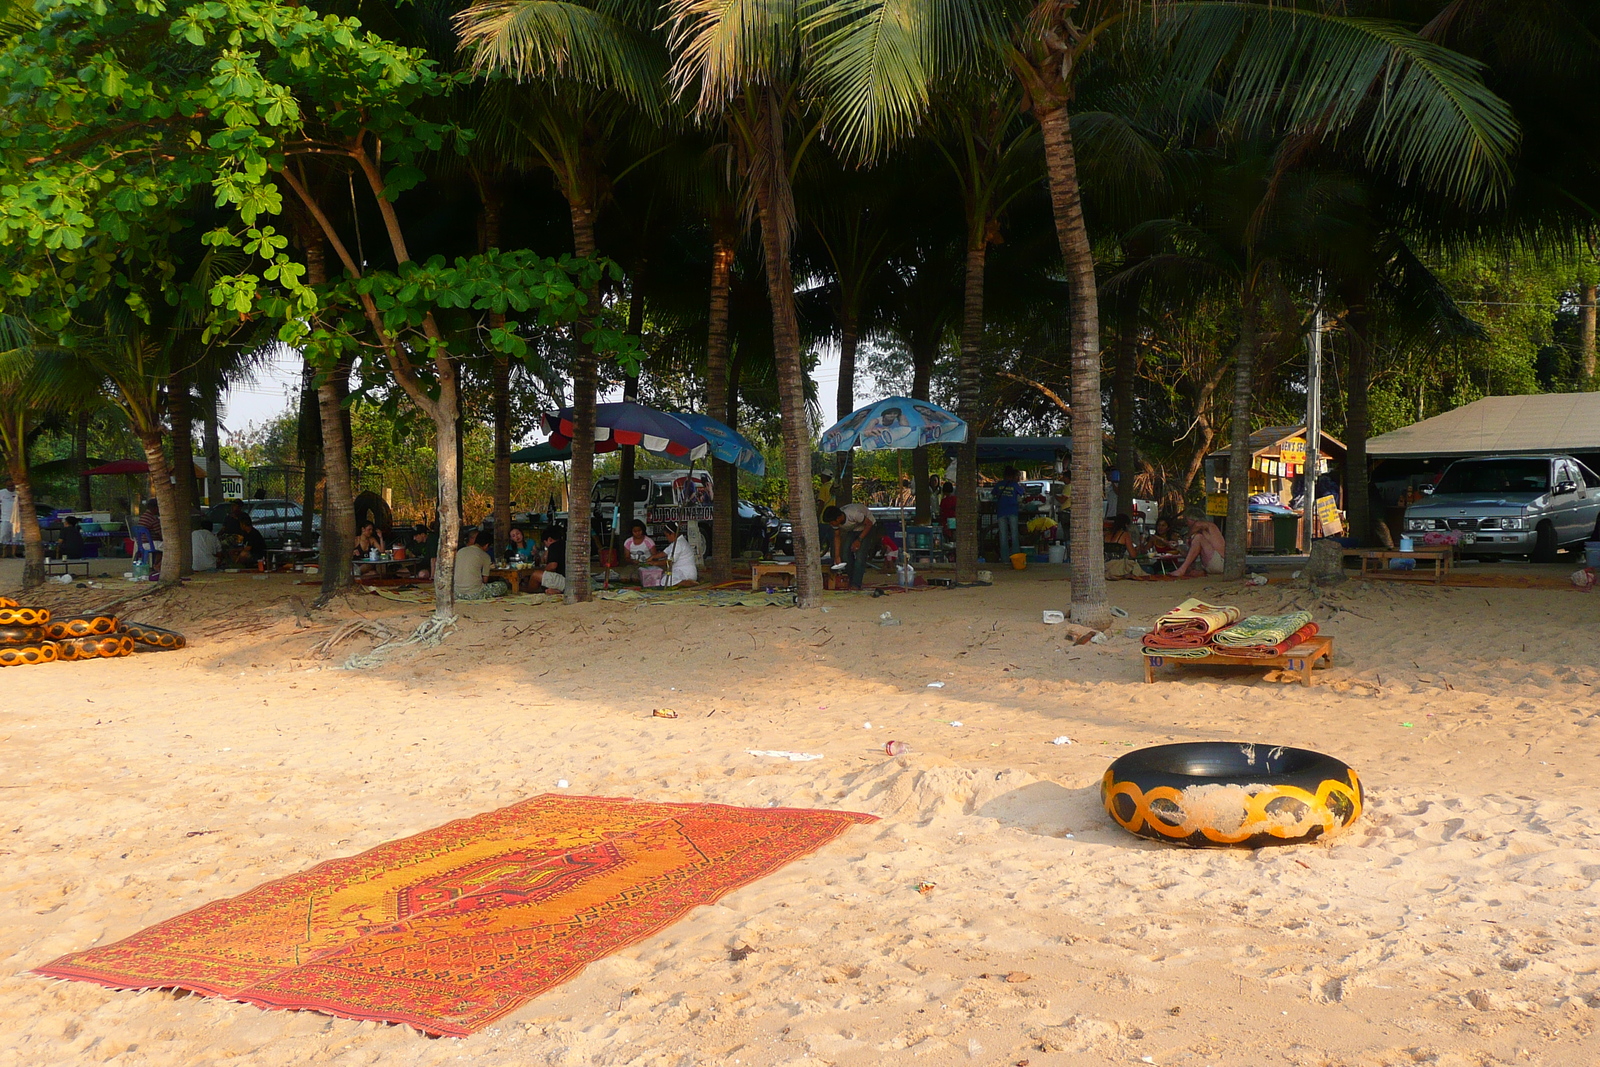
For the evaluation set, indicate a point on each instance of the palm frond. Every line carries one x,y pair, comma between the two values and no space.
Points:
1422,110
540,40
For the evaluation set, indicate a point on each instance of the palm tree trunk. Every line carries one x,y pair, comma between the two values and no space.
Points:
845,403
1237,535
1127,363
1357,323
1586,335
585,380
775,209
724,476
80,460
502,444
211,400
310,440
968,388
630,392
166,501
922,357
25,514
338,502
1089,607
175,528
447,455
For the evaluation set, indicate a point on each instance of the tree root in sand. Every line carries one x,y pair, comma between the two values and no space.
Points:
429,634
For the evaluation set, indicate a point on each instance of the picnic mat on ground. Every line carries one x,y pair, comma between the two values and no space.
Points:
1260,630
717,598
453,928
1190,624
1300,636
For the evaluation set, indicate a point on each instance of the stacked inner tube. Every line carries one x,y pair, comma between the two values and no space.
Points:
31,635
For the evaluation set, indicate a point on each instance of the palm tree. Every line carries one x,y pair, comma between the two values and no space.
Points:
744,66
881,60
583,67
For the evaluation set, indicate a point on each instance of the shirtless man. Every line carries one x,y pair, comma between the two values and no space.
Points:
1205,542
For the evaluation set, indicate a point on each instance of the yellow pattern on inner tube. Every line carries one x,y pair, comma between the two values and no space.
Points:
1258,820
80,626
109,645
153,637
18,655
24,616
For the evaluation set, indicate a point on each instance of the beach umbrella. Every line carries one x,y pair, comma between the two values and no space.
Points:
627,423
726,444
894,422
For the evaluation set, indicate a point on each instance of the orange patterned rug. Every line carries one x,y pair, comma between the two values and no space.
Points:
453,928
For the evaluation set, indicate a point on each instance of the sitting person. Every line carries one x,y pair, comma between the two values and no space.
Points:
1118,541
150,519
518,550
253,547
473,565
1160,542
553,562
678,559
637,551
368,539
1205,547
204,547
71,538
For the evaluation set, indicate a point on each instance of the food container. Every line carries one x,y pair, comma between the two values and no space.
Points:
1054,618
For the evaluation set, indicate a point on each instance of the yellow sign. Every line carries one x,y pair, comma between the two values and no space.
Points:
1216,503
1292,451
1328,515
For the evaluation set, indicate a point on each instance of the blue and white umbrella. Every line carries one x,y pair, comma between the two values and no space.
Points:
725,443
894,422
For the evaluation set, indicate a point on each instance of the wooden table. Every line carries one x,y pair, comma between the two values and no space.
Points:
761,568
512,576
1441,555
1300,659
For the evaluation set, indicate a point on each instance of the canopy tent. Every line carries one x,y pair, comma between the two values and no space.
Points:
132,466
1023,449
1499,425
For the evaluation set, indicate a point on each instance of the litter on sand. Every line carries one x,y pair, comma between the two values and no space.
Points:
792,757
935,685
1063,740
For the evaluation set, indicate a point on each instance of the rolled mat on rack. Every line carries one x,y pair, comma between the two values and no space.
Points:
1258,630
1193,622
1158,652
1300,636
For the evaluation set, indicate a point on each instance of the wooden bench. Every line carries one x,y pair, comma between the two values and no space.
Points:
1375,562
761,568
1300,659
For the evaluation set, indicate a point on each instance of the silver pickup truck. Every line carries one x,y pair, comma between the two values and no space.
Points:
1511,505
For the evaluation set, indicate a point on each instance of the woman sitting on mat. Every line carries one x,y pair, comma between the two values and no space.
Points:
678,559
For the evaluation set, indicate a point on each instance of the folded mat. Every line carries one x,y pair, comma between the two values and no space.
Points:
1305,633
1171,641
1260,630
1195,617
1200,652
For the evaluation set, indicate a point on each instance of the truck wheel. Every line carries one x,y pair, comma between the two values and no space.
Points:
1545,547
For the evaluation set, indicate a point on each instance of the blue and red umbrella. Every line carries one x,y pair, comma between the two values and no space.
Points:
627,423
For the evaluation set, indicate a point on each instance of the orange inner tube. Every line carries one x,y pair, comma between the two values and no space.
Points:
15,616
109,646
80,626
19,655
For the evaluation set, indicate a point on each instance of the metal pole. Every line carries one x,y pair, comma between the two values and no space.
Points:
1313,415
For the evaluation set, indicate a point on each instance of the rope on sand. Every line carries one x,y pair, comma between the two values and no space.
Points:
434,629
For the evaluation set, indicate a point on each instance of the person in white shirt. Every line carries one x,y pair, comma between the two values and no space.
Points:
204,547
678,559
472,568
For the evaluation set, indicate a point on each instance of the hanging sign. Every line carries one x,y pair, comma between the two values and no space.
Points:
1292,451
1216,503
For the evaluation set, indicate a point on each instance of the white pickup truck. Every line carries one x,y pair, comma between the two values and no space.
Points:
1511,505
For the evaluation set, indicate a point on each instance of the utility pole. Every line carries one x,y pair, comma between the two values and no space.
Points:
1313,416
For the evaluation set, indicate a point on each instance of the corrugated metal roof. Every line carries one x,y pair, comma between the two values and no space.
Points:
1543,422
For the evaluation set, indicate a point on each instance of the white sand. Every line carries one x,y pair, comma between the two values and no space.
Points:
1457,924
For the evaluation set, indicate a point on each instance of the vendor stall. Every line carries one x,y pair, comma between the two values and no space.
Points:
1278,460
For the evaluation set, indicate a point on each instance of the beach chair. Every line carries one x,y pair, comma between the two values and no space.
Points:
144,546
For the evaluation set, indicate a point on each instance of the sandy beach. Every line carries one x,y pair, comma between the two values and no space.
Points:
994,916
